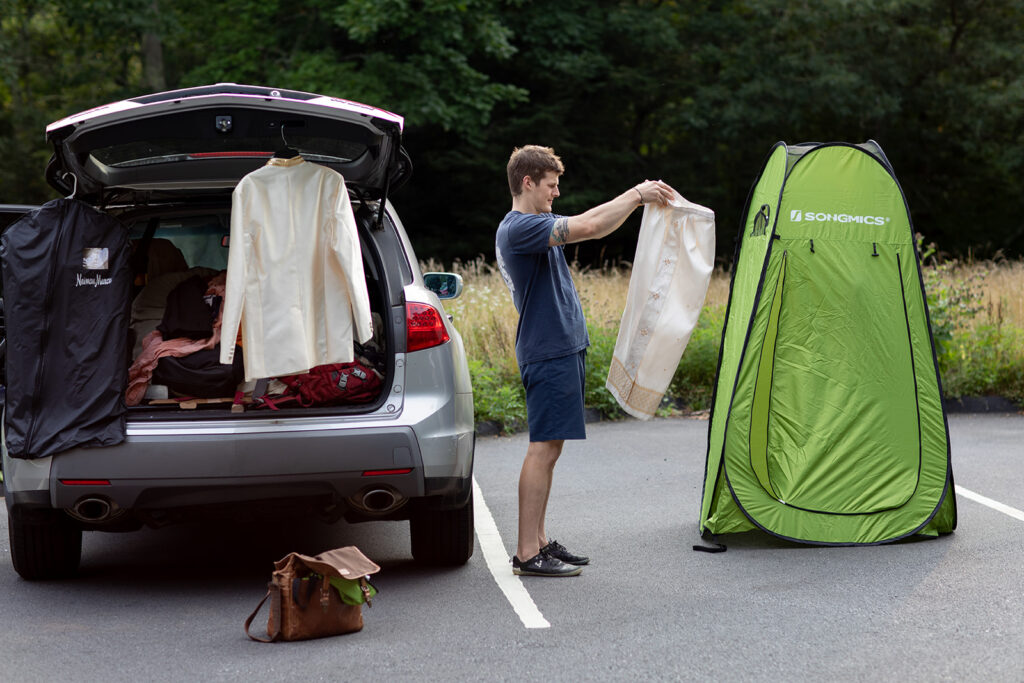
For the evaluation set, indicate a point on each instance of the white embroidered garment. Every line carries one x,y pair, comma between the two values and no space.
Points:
295,283
675,254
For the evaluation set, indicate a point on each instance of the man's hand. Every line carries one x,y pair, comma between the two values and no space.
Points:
654,192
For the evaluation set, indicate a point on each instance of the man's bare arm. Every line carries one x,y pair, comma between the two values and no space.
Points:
559,232
605,218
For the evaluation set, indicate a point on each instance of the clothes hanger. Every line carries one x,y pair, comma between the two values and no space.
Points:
74,188
285,151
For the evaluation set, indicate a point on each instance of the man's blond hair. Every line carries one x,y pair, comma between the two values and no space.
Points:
534,161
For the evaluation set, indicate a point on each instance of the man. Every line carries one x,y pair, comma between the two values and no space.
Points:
551,339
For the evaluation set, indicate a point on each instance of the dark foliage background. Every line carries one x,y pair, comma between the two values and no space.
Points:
694,93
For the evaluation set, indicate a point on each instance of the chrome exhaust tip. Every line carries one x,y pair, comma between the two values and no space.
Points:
378,501
94,509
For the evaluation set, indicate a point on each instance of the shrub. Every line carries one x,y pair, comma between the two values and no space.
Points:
954,300
976,318
498,394
987,361
694,381
599,359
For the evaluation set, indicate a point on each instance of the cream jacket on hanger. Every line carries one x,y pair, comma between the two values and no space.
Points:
295,281
675,254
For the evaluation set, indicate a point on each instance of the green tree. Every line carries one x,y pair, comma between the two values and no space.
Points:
57,58
415,58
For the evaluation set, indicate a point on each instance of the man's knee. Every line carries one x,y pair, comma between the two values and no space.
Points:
545,451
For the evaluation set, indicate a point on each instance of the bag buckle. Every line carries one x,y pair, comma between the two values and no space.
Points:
366,591
325,588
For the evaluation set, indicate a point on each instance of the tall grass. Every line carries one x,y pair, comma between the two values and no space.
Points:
977,312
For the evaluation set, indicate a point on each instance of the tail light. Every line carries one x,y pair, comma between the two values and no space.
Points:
424,327
381,473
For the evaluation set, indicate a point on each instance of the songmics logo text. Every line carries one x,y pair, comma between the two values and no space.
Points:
798,215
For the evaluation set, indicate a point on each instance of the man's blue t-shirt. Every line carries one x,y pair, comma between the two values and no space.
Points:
551,322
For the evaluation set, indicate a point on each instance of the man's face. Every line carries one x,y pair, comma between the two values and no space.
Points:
541,195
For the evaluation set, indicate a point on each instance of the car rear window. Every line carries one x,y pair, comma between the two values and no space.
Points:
172,150
201,239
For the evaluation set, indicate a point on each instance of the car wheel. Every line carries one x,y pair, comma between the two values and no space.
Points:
45,544
443,537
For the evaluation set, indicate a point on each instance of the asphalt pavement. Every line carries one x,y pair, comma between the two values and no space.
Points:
168,604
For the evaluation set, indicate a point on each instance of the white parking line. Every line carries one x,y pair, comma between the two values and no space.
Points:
498,562
994,504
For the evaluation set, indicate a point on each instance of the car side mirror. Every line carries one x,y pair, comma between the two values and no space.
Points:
445,285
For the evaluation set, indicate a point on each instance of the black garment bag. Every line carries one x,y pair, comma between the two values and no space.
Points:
67,286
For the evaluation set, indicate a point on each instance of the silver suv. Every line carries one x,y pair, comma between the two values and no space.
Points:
165,166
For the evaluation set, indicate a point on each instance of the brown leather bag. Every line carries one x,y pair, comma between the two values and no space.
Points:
313,597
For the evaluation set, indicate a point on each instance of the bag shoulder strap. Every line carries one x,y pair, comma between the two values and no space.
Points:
273,630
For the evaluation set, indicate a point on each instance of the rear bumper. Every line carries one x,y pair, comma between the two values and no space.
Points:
152,496
165,469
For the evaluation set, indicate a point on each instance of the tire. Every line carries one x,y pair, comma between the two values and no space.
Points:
45,544
443,537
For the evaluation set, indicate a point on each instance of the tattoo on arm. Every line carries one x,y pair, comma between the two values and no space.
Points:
560,231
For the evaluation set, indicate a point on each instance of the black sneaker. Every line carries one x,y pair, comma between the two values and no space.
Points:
559,551
543,564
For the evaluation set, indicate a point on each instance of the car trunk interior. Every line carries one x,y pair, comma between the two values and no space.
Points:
173,245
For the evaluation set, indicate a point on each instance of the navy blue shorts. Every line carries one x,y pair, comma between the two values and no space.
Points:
554,397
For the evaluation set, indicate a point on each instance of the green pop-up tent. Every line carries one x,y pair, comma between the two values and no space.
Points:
827,424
